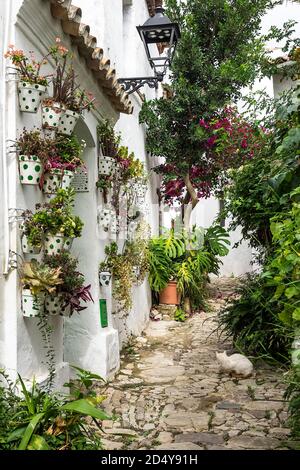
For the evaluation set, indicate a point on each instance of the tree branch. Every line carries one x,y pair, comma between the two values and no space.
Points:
191,190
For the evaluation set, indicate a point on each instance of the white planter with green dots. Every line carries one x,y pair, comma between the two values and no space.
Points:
67,122
30,96
54,244
67,179
30,168
32,305
52,181
51,116
27,248
53,304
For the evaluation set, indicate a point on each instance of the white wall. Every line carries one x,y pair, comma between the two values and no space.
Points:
79,340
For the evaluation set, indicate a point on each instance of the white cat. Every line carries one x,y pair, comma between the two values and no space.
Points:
237,363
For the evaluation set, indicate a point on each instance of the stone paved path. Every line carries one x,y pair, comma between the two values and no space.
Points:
170,393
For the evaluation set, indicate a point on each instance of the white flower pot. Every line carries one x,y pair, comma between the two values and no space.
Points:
105,218
67,178
136,271
31,169
67,122
106,165
27,248
54,244
51,116
30,96
114,226
104,278
32,305
53,304
52,181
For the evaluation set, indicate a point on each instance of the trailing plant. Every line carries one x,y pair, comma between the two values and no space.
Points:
29,68
39,420
72,289
180,315
67,154
33,143
120,266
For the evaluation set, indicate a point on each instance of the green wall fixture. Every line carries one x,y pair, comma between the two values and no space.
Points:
103,313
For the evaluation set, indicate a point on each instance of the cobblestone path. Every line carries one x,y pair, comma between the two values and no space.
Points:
170,393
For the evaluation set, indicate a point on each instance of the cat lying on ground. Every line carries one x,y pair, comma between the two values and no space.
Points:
236,363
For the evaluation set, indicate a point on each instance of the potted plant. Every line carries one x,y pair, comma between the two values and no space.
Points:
71,291
33,150
62,163
105,217
53,225
32,85
76,103
31,236
37,279
108,142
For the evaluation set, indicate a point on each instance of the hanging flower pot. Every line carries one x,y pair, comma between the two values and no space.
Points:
67,122
30,168
136,271
105,218
51,115
54,244
52,181
30,96
104,278
114,225
67,178
32,305
106,165
27,248
53,304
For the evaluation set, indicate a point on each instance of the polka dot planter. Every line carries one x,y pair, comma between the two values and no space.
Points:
54,244
105,218
104,278
67,179
106,165
51,116
67,122
30,96
32,305
30,169
53,305
52,181
27,248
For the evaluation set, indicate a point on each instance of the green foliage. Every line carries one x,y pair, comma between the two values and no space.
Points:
37,420
53,217
293,395
108,139
160,270
219,53
70,149
253,321
40,278
180,315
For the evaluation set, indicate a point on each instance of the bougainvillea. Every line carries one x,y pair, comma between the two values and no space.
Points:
226,140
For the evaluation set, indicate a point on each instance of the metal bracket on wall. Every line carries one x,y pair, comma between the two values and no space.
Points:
11,74
15,215
131,85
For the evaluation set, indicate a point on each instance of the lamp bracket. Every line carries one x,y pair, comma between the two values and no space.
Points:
131,85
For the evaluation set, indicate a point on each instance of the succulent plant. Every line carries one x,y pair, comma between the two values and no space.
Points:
39,277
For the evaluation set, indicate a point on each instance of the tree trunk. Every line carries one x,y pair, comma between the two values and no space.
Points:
187,306
190,202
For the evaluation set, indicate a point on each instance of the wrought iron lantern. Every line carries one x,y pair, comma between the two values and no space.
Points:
160,37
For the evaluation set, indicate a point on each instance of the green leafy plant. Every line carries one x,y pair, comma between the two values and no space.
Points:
108,139
53,217
39,420
293,395
180,315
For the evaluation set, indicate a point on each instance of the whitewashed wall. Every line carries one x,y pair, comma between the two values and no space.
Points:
79,340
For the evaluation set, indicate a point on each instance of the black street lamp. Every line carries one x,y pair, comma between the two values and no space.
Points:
160,37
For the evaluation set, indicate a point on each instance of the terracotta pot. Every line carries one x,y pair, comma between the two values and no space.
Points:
169,294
